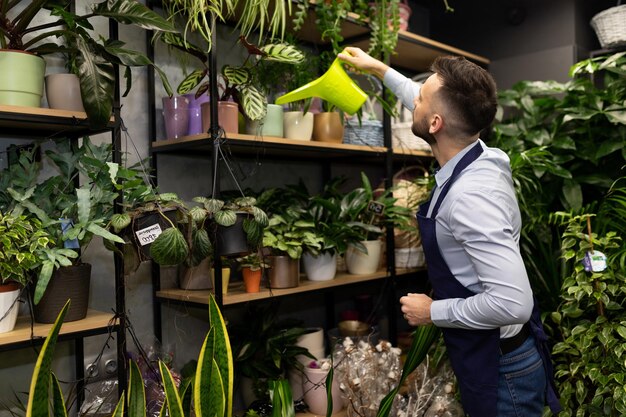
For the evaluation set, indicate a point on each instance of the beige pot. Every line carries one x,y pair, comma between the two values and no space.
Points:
360,263
196,277
298,125
284,272
327,127
63,92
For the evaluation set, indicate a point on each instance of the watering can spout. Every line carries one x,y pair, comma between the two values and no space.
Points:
335,86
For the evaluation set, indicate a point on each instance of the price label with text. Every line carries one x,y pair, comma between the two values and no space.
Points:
376,208
147,235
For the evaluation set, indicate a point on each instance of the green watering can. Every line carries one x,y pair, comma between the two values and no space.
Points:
335,86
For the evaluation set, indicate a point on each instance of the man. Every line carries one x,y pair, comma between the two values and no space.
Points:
470,233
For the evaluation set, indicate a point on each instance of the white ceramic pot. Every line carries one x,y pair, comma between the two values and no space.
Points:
298,126
320,268
63,92
9,307
313,340
360,263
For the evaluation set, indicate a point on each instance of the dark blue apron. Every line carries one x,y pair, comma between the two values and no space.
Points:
474,353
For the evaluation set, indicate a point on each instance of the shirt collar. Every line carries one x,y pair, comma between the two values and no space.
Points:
444,173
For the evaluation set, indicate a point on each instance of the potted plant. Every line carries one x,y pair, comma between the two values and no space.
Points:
368,213
275,78
93,60
252,266
21,240
264,349
71,215
237,81
238,223
286,236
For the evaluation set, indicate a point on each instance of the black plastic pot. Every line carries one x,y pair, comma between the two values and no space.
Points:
232,240
145,222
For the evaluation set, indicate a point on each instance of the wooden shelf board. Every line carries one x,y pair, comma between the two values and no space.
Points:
44,121
22,333
237,295
280,146
416,53
276,146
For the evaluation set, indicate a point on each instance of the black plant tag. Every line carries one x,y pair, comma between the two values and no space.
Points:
376,208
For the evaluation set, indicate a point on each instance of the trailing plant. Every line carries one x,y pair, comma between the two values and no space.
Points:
566,145
225,214
589,359
92,59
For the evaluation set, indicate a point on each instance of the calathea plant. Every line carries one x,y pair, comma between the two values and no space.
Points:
238,80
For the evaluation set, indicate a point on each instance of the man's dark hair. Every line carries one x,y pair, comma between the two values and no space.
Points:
468,90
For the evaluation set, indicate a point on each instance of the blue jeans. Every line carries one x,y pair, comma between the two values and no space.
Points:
522,382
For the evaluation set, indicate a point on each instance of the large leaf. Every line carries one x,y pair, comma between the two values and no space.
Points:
174,404
136,392
191,81
103,233
209,393
254,102
58,403
170,248
223,355
97,82
423,338
132,12
225,217
283,52
236,75
40,381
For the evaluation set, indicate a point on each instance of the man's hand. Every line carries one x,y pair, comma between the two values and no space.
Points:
361,60
416,308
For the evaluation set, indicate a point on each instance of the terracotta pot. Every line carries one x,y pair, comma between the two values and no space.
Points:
227,116
63,92
67,282
327,127
252,279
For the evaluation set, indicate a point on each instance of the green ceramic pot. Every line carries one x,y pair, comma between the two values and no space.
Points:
21,82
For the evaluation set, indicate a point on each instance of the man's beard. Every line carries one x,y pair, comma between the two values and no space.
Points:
420,128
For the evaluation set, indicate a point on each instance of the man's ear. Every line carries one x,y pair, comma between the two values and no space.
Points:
436,124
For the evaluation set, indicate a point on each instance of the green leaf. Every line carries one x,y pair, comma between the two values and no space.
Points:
282,52
174,404
223,355
236,75
119,408
120,221
191,81
40,382
254,103
58,403
573,194
132,12
104,233
209,395
225,218
136,392
97,83
169,248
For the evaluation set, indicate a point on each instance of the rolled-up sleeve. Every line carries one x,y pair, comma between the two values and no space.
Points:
404,88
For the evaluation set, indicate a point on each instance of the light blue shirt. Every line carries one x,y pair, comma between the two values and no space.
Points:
478,228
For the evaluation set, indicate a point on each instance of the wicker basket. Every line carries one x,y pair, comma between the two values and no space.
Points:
370,133
610,26
402,136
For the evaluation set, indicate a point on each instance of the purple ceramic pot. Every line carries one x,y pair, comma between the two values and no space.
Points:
195,114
